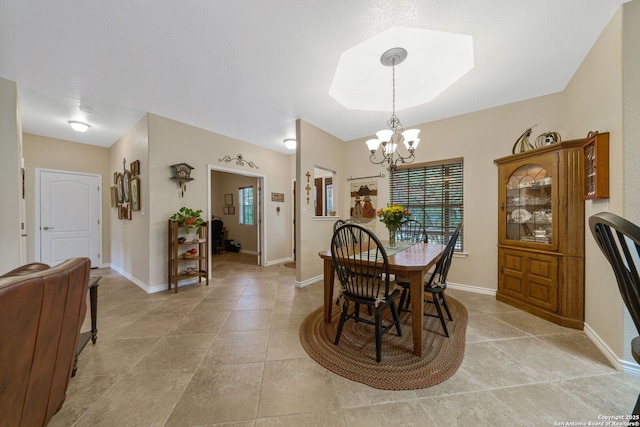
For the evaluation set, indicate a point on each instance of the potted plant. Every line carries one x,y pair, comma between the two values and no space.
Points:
189,217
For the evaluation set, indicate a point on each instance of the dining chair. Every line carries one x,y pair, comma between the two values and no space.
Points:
412,230
217,242
619,240
340,222
363,272
436,284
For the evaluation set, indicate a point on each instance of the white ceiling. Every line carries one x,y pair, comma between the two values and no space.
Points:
249,68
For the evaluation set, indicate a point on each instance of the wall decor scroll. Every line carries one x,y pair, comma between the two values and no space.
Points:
240,161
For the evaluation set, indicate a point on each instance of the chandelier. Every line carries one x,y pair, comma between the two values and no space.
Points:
386,148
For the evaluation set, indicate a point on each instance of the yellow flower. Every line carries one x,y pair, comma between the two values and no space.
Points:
393,215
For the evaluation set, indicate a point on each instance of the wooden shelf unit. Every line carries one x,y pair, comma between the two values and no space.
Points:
595,154
180,268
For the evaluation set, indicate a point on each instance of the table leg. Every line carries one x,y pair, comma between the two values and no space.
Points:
328,289
417,308
93,301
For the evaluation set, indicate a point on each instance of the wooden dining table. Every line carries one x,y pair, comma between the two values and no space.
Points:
413,262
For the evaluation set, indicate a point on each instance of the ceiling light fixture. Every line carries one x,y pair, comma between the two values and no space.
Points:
79,126
392,137
290,143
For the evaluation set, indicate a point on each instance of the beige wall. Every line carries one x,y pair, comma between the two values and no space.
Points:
130,238
10,155
594,102
49,153
631,132
313,234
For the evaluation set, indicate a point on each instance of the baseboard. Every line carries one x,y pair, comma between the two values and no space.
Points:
137,282
624,366
474,289
308,282
278,261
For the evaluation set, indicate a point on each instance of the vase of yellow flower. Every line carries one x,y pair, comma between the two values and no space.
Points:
392,217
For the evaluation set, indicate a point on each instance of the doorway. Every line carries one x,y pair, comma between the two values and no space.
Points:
228,191
68,220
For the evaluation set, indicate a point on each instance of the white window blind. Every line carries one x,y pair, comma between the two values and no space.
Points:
432,192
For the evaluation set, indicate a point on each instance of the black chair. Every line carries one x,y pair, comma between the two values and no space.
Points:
436,284
619,240
217,237
340,222
411,230
363,272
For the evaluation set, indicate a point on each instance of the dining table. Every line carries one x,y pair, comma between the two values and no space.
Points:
411,260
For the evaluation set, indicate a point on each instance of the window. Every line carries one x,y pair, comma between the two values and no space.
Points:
245,197
323,191
432,192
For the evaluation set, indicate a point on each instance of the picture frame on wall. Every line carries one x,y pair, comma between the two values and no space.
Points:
228,199
229,210
135,193
135,168
114,196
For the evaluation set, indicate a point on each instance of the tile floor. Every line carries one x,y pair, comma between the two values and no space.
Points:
228,354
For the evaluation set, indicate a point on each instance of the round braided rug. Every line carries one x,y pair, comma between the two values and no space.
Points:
355,356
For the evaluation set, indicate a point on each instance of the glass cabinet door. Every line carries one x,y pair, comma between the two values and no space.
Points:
529,214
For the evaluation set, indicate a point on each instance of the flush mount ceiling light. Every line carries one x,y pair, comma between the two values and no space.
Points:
438,59
391,137
79,126
290,143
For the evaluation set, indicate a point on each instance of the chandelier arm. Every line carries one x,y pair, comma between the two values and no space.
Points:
373,156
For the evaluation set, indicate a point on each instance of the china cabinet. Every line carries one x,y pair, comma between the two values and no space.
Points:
188,253
541,232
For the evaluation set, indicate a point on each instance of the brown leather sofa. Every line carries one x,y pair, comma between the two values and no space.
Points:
41,312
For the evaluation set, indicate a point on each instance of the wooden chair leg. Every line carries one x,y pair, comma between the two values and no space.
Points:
394,313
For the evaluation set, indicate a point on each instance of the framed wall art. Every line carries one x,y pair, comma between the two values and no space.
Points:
228,199
135,168
135,193
229,210
114,196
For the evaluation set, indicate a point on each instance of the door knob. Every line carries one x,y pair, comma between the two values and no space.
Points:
47,228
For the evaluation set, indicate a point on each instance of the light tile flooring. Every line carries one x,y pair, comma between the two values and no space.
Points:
229,354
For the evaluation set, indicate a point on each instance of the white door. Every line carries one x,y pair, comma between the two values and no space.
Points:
69,226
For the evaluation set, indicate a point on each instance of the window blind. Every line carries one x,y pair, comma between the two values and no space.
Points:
433,193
